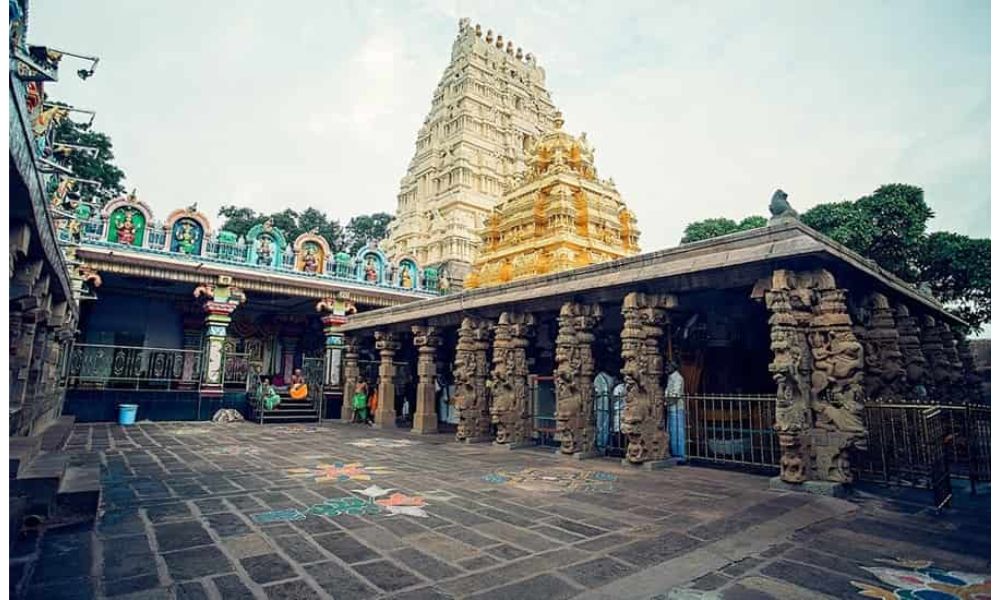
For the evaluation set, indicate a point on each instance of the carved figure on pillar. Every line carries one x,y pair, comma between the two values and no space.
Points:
838,371
955,378
818,367
971,381
642,421
574,374
884,374
791,369
471,368
914,361
387,345
937,363
511,410
427,340
352,373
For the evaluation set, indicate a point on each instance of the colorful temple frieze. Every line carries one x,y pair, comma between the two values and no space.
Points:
187,234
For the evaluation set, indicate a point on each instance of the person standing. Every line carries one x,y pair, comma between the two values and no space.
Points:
673,398
360,402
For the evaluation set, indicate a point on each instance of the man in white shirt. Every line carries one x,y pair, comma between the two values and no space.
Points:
673,398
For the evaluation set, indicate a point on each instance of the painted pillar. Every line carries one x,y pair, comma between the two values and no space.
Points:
644,315
221,300
387,345
427,340
351,375
511,410
333,314
574,378
471,368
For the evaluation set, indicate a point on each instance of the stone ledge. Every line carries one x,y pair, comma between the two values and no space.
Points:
819,488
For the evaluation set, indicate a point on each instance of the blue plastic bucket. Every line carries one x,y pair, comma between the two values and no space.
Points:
126,413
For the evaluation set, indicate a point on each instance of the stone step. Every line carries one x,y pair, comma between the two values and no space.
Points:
55,435
279,418
79,493
39,481
23,450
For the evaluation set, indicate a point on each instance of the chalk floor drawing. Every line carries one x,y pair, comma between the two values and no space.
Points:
554,480
337,471
921,580
348,505
382,443
278,516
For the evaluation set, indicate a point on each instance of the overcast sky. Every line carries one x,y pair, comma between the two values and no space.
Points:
696,109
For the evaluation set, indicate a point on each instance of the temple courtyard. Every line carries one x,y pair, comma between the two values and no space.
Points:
203,510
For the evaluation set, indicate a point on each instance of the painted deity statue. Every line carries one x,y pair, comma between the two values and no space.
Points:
405,279
264,251
310,263
187,239
126,228
371,274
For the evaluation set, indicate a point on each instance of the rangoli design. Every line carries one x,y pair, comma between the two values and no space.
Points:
278,516
337,471
231,451
379,502
555,480
920,580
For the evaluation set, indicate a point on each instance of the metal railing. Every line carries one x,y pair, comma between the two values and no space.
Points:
543,410
731,429
236,370
105,366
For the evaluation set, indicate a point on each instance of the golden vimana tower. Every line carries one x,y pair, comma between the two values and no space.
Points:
558,216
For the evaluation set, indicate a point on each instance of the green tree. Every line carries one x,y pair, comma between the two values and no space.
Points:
239,219
331,230
710,228
96,166
363,229
957,269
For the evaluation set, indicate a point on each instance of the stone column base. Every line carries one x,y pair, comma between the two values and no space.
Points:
425,423
477,440
385,419
820,488
652,465
512,446
579,455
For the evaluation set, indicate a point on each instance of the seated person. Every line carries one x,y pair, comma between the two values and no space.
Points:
298,389
268,395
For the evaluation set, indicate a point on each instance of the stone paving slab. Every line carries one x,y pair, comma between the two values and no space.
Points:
199,511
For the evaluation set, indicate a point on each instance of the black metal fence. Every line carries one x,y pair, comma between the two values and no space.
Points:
727,429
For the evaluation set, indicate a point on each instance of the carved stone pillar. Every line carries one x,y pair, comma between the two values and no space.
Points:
954,387
791,368
221,299
914,361
838,371
351,375
971,382
471,368
511,410
642,422
818,367
574,378
937,363
427,340
884,375
387,345
333,314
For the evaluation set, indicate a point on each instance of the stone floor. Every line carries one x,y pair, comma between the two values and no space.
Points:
194,510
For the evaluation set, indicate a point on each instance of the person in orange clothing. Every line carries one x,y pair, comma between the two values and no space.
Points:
298,389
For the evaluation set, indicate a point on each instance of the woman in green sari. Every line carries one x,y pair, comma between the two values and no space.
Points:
360,401
269,396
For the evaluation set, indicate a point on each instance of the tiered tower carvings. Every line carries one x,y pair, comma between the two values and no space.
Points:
489,107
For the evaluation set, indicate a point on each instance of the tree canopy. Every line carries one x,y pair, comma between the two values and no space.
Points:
96,166
710,228
890,227
359,230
